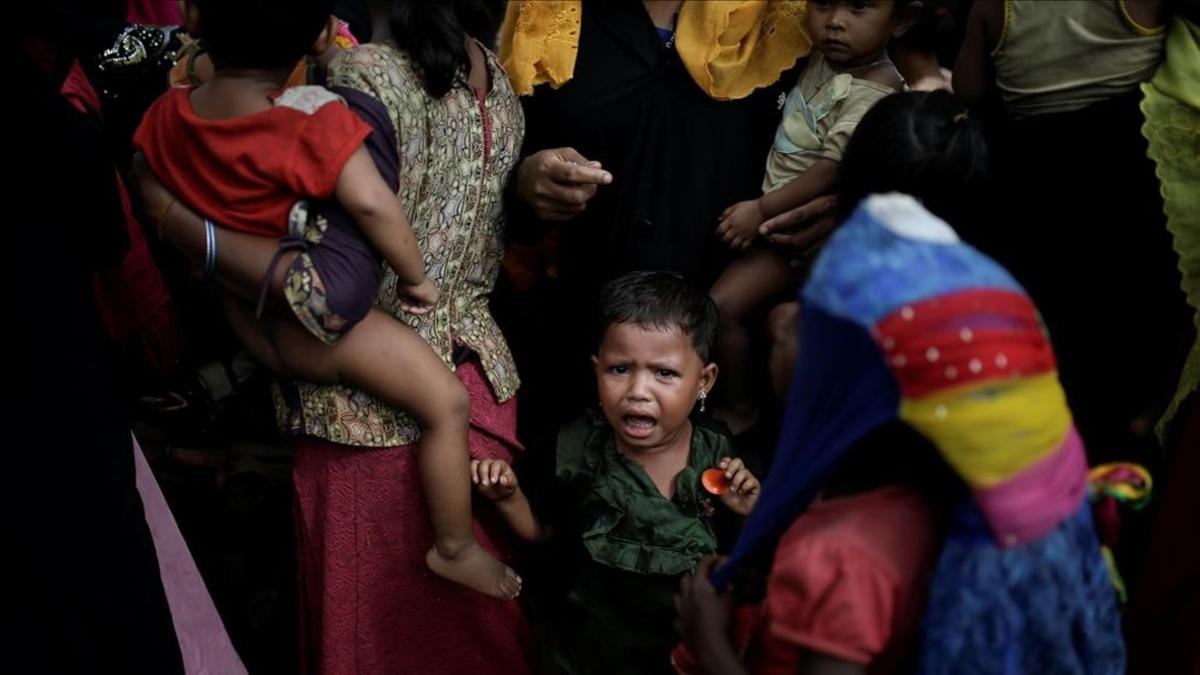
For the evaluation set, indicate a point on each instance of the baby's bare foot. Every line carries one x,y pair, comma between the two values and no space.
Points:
475,568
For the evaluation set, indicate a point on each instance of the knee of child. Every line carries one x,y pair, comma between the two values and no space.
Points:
454,403
446,406
783,322
729,309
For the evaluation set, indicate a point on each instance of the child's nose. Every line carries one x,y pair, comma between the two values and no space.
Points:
836,18
639,387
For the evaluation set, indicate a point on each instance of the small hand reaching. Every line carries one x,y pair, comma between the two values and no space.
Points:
743,486
493,478
418,298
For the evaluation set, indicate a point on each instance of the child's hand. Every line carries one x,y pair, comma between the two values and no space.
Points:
702,615
743,486
419,298
739,224
494,478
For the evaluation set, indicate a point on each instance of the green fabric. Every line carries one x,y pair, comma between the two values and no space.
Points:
636,545
1172,128
1179,76
627,523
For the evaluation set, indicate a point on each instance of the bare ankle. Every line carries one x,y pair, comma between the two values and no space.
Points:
452,548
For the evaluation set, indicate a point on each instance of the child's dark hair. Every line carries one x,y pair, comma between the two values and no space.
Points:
432,32
894,454
260,34
933,30
920,143
660,300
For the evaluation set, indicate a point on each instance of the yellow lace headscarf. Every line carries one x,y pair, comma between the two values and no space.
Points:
730,47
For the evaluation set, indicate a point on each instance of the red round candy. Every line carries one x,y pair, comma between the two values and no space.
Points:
714,481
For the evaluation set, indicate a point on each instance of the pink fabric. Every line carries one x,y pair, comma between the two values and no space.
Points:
368,603
849,581
133,299
202,638
153,12
1029,505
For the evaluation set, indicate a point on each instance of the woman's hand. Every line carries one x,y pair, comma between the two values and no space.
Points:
795,232
703,616
558,183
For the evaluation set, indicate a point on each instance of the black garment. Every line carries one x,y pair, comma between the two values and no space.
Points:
89,595
1162,618
678,159
1080,224
356,14
129,69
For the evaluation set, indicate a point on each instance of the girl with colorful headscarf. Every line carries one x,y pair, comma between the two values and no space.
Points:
912,324
848,583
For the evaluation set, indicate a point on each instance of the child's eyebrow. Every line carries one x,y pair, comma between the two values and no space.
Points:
671,363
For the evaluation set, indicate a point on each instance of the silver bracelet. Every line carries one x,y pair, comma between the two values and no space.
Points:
210,248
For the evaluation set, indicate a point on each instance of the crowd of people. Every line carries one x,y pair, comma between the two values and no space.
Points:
845,333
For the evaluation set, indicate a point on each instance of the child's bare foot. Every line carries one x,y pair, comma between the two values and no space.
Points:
475,568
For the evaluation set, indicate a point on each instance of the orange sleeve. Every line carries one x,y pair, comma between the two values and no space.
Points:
830,598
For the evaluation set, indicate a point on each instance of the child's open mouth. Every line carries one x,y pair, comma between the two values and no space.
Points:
639,426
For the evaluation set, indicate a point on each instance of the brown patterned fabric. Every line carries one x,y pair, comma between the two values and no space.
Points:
456,155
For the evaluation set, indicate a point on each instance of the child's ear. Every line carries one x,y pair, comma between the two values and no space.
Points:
191,17
906,14
325,39
708,377
596,363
